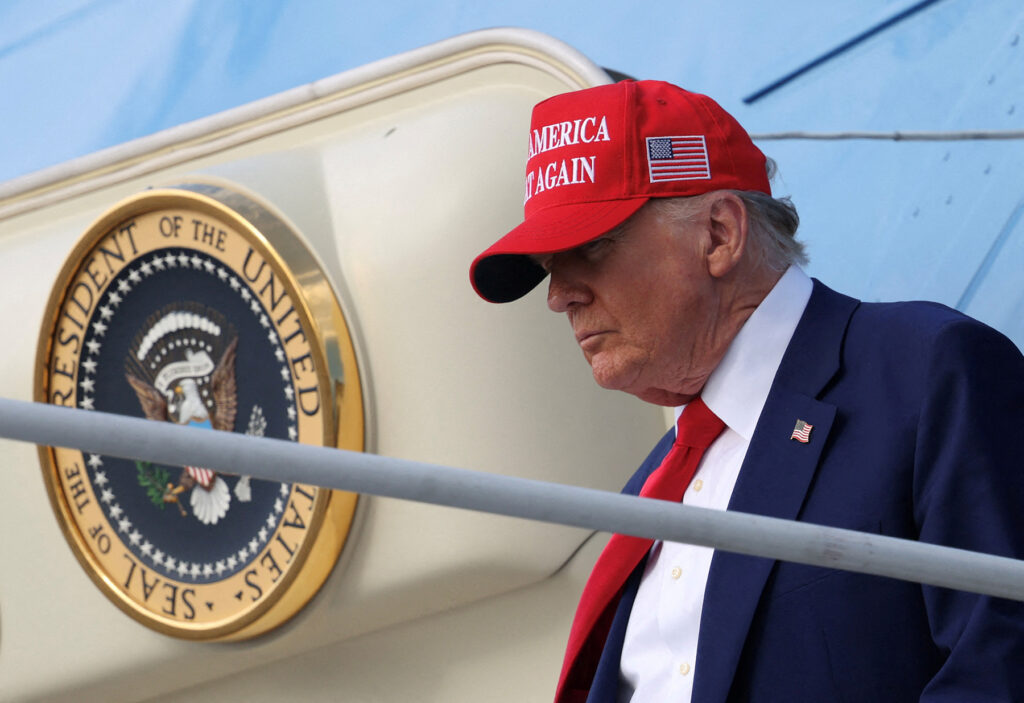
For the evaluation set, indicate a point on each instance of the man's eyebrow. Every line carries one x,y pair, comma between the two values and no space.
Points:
616,231
542,260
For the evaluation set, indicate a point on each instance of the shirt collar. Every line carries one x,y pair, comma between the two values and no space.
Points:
737,389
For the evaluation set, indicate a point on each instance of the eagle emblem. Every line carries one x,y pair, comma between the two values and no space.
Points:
172,370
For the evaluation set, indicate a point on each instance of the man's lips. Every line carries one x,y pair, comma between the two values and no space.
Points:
585,336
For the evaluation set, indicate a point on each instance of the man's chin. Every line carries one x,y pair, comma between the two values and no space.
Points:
612,378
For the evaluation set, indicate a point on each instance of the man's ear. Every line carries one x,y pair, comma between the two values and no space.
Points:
728,229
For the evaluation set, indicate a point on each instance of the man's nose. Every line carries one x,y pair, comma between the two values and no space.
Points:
566,290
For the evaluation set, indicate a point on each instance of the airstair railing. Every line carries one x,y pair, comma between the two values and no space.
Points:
280,460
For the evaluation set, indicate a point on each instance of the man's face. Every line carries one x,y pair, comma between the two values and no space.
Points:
642,305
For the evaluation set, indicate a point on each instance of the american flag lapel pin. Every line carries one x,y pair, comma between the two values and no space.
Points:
802,432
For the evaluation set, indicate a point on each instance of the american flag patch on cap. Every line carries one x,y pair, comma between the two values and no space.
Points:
678,158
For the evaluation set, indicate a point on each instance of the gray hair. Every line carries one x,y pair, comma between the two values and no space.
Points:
772,223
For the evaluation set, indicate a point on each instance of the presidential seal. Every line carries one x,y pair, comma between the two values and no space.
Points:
197,305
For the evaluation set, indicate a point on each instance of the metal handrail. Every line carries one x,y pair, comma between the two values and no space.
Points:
280,460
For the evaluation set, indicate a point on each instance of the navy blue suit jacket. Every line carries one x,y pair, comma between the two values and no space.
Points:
918,415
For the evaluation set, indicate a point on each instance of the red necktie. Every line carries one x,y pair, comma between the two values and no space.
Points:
696,430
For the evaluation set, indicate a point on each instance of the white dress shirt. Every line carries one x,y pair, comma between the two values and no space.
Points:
660,648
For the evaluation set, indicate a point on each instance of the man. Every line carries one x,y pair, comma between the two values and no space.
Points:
651,210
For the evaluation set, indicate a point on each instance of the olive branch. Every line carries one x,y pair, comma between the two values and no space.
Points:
154,479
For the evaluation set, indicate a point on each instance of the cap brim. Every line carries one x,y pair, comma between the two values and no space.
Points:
505,272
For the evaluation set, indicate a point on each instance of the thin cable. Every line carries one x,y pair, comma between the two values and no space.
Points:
898,136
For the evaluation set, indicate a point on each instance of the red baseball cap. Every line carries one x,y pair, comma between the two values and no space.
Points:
597,155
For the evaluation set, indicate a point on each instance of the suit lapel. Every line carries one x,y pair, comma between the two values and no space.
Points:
773,481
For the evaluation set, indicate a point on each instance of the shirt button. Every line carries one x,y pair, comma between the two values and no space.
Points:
684,668
676,572
698,484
